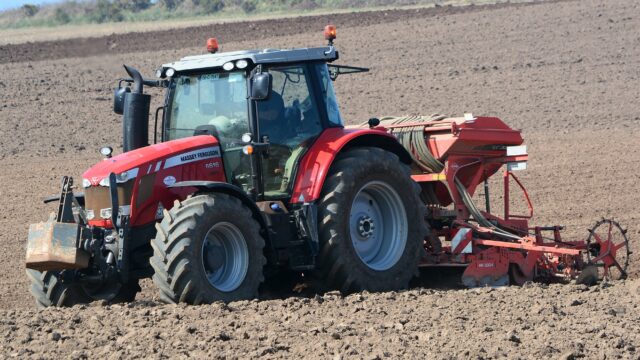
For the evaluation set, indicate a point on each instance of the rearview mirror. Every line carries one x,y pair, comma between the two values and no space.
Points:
260,86
118,99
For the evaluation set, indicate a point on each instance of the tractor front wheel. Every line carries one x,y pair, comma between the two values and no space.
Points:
372,226
57,288
208,248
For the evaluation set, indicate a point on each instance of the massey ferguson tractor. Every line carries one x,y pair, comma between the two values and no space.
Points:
252,172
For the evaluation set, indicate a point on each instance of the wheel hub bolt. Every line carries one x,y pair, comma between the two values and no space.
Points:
366,226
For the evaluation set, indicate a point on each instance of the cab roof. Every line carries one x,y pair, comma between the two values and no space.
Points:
255,57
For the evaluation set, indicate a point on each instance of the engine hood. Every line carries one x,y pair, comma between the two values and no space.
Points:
150,156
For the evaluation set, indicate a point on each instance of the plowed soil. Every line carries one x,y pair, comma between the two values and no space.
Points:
566,73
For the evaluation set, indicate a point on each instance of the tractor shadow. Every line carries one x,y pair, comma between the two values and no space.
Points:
286,285
443,278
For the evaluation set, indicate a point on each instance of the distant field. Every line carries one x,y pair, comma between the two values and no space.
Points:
35,34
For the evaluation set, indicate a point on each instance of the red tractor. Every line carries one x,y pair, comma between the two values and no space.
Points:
254,173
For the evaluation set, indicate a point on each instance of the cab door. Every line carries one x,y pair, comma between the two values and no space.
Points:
289,120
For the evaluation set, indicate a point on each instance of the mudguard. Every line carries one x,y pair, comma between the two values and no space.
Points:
224,188
316,163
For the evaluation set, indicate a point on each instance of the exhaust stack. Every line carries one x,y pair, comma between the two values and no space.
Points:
135,119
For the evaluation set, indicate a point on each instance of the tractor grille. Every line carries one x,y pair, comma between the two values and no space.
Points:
98,197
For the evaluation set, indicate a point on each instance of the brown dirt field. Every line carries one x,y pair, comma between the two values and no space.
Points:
564,72
185,37
23,35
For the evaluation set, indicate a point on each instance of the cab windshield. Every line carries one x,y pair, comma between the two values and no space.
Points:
214,102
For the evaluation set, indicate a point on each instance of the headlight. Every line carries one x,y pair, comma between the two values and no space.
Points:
228,66
86,183
105,213
122,177
125,210
241,64
106,151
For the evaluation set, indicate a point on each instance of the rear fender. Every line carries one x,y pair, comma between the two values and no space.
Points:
228,189
316,163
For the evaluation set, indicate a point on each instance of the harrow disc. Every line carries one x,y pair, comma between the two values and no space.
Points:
608,250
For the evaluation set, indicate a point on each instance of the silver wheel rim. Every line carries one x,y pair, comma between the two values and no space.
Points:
378,226
225,256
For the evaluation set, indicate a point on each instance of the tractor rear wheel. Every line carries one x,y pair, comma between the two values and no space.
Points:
52,288
371,223
208,248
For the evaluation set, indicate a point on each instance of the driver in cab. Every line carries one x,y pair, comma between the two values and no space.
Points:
273,125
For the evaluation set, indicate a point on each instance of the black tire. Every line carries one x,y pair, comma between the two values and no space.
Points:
49,289
177,259
340,266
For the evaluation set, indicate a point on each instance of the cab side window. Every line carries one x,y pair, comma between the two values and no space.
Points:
290,119
300,114
329,95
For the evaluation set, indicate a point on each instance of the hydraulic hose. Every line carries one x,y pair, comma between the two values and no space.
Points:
414,140
477,215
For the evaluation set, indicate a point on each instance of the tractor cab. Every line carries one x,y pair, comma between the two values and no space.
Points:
269,104
220,95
